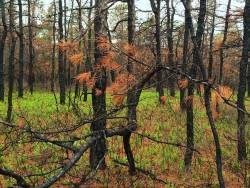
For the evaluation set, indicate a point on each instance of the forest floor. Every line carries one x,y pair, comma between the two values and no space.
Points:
160,122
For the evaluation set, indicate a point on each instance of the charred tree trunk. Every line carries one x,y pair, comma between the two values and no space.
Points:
77,85
21,50
185,56
211,44
223,43
11,60
131,96
3,36
31,50
241,132
89,53
97,152
60,57
170,20
199,62
52,83
156,8
193,74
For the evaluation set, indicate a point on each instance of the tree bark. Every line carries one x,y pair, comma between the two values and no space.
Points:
21,50
193,74
185,55
97,152
2,45
223,43
52,83
156,7
31,50
211,44
60,57
207,88
131,96
170,19
11,60
241,131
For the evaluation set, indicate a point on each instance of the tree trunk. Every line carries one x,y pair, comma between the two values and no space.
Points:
241,132
97,152
156,10
193,74
185,56
2,44
131,96
52,83
11,60
60,57
89,52
211,44
223,43
207,88
31,50
21,50
170,19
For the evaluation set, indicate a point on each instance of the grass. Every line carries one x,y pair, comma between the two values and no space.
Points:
162,122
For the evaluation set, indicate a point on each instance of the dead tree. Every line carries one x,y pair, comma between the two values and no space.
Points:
223,42
11,60
185,56
241,131
156,8
3,36
61,70
21,50
98,150
170,28
31,77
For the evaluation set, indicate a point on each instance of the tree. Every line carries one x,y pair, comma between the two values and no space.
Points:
11,60
21,50
170,28
2,45
131,96
98,150
52,83
224,41
61,70
31,50
241,131
185,55
156,7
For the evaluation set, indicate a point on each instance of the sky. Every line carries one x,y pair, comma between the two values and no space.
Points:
145,5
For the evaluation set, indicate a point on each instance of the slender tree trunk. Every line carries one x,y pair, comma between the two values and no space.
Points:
31,50
131,96
170,46
77,85
193,74
65,38
21,50
11,61
60,57
97,152
52,83
211,44
241,132
89,52
3,36
223,42
199,62
156,7
185,56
